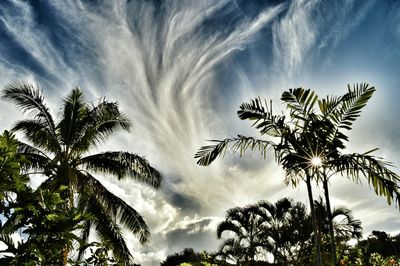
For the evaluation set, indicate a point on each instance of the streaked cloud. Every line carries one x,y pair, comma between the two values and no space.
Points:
180,69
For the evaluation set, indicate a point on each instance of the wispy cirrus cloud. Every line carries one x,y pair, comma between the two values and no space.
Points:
179,69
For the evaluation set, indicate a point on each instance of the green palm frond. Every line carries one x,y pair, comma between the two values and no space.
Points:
345,224
228,226
84,233
300,102
264,119
351,105
124,164
109,231
74,110
115,207
329,105
232,249
35,159
383,180
255,110
29,99
100,122
207,154
38,134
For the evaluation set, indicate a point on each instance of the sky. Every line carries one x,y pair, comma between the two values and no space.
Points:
181,68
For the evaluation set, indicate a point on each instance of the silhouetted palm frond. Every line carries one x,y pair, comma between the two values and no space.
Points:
241,144
123,164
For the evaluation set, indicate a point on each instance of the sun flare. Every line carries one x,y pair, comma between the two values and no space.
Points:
316,161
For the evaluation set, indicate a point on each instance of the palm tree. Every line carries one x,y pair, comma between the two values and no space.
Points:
232,249
59,149
343,223
247,224
282,229
290,149
310,143
326,140
287,229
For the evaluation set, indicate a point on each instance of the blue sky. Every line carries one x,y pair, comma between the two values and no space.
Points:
180,69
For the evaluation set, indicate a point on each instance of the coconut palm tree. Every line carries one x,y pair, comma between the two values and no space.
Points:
59,149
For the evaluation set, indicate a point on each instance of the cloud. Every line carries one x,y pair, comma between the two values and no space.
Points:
195,232
179,70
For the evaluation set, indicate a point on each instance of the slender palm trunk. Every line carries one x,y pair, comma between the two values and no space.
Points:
331,232
65,255
314,222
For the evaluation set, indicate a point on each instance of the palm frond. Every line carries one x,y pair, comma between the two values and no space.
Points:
109,231
300,102
351,105
263,117
29,99
228,226
232,249
124,164
345,224
84,233
38,134
100,122
74,110
207,154
9,242
36,159
384,181
329,105
255,110
115,207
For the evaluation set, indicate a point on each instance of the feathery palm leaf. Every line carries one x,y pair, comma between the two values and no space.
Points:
115,207
300,102
384,181
98,124
345,225
37,133
265,120
207,154
123,164
29,99
108,230
351,105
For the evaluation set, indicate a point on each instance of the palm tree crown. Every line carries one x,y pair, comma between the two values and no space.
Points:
59,149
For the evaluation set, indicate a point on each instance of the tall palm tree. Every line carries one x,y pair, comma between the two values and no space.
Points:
59,149
286,139
310,143
326,141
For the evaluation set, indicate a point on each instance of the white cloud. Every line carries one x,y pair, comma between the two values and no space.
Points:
161,67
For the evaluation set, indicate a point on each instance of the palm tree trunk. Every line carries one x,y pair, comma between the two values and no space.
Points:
316,239
65,255
331,232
